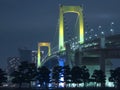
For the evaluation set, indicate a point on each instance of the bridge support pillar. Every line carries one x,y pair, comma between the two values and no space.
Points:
70,9
102,64
68,55
102,42
41,44
78,58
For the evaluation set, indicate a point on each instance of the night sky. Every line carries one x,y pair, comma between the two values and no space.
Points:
24,23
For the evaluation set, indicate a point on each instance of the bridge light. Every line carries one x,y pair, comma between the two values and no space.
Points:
86,39
96,35
112,23
99,26
102,33
111,30
85,32
91,30
90,37
76,37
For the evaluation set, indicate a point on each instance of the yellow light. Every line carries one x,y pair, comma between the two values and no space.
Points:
42,44
72,9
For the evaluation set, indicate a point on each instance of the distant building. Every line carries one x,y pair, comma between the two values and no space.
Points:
25,54
34,57
13,63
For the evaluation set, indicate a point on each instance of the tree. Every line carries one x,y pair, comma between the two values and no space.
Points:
99,77
25,73
3,77
85,75
67,75
115,77
56,75
43,75
17,77
76,75
31,73
80,75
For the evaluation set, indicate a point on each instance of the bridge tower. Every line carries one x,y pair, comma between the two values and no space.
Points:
70,9
42,44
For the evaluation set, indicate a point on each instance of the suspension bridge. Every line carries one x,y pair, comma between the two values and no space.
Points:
101,47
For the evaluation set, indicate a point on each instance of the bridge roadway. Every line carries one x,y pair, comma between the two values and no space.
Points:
49,58
105,52
110,42
92,48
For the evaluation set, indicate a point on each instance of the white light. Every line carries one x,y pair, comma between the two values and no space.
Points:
102,32
99,26
112,23
38,85
76,43
91,30
42,52
75,37
110,84
72,38
96,35
90,37
111,30
61,84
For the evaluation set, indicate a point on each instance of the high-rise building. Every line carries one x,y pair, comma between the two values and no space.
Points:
13,63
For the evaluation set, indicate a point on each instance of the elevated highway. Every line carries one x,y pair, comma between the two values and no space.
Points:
92,49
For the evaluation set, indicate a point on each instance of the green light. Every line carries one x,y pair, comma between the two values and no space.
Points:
39,57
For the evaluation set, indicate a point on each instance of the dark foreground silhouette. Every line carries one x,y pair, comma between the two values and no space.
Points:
59,89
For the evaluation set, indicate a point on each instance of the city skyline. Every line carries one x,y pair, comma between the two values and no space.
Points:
25,23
